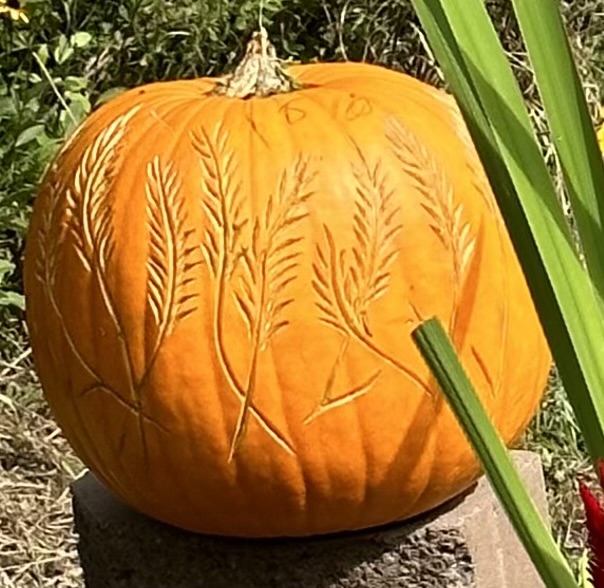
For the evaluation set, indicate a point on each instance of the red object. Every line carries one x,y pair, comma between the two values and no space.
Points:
594,513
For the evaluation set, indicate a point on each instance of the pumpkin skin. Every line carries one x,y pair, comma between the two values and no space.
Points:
220,295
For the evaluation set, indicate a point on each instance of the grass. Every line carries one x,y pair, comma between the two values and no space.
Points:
553,434
129,43
37,543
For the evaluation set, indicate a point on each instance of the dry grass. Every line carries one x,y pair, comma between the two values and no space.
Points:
554,435
37,543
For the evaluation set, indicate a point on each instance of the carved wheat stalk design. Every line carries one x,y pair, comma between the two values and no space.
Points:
482,186
268,269
376,226
348,281
49,240
335,307
364,269
223,251
447,217
91,228
171,261
90,217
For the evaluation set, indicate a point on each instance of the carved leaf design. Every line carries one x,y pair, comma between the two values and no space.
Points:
171,260
282,218
89,202
48,239
430,179
221,201
324,285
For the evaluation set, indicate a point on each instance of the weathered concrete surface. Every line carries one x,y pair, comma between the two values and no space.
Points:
468,543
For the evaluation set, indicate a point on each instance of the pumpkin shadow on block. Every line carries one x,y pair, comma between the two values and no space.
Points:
120,547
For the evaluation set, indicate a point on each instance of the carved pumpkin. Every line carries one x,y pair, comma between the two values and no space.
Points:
222,277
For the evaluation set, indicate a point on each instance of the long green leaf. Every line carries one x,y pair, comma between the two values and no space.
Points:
440,356
465,43
570,122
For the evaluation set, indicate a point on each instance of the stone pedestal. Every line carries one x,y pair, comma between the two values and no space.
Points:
468,543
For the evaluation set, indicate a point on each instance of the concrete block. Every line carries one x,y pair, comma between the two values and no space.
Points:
467,543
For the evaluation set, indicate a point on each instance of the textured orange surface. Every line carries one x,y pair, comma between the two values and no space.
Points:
220,294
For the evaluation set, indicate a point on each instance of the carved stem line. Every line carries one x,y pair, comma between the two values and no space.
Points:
220,296
244,411
351,395
96,456
127,405
505,319
170,288
332,375
70,342
102,467
482,186
134,392
92,374
457,277
230,372
454,305
360,336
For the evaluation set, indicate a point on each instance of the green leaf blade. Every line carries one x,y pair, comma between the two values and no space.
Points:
439,354
465,43
572,129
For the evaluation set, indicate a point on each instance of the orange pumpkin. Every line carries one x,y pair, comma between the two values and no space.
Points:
222,277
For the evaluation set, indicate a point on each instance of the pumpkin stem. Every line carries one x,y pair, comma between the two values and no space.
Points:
260,72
